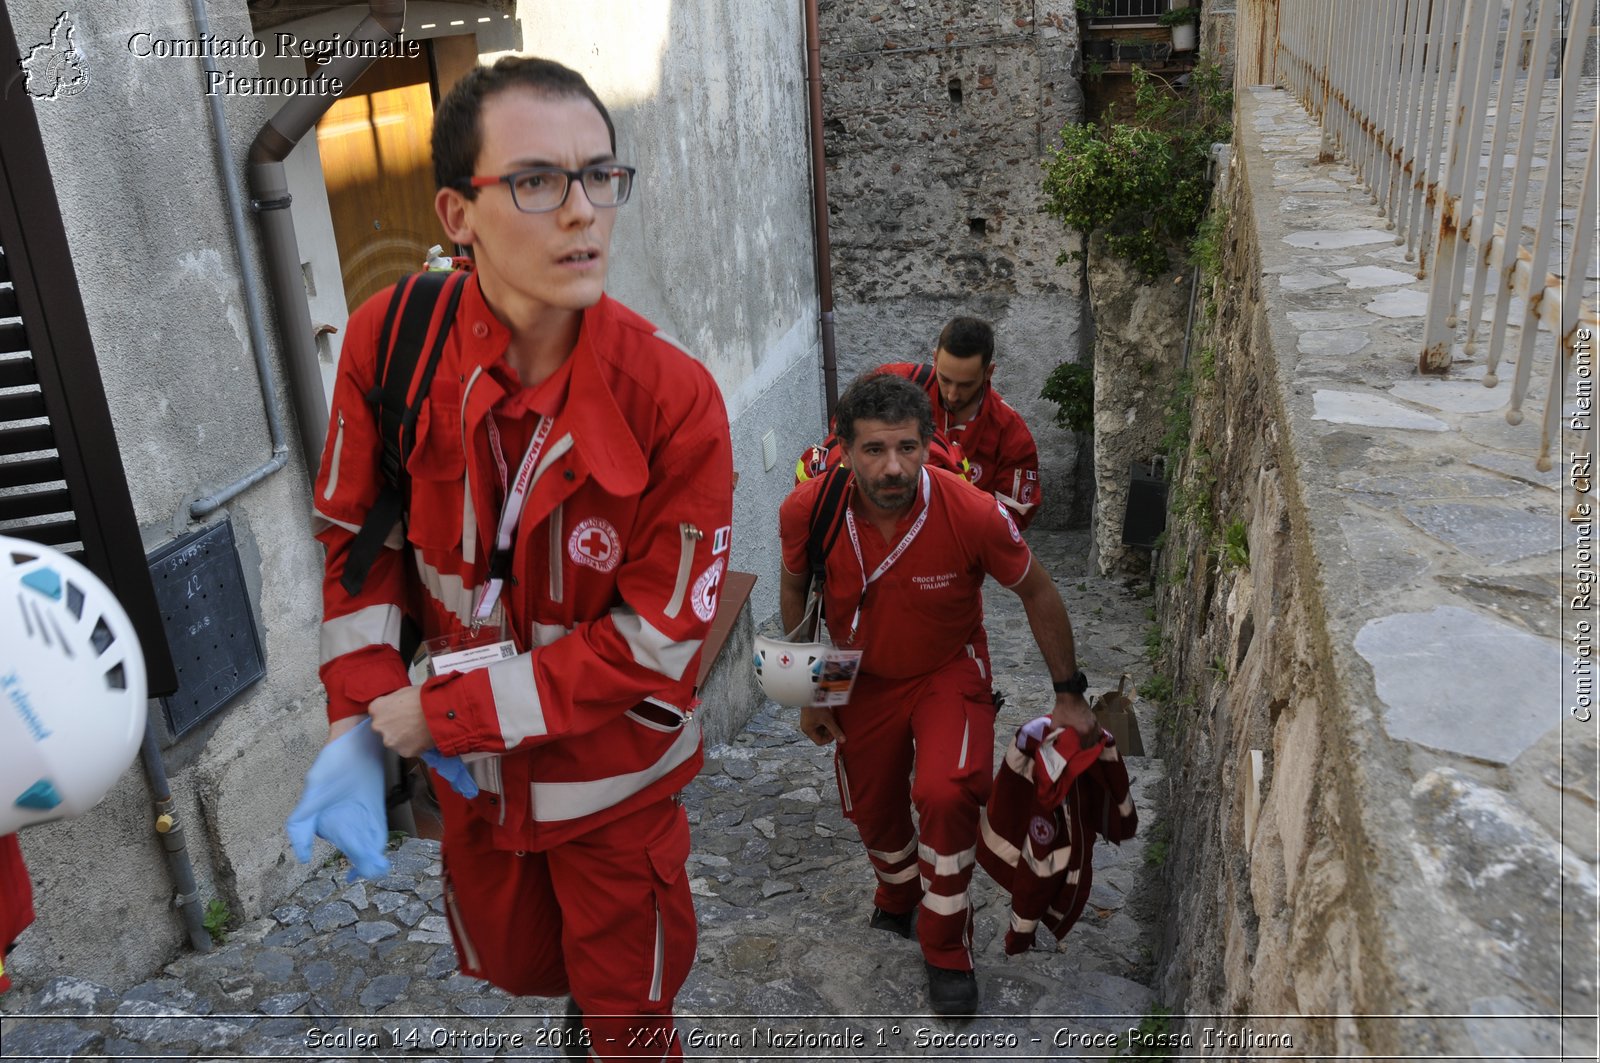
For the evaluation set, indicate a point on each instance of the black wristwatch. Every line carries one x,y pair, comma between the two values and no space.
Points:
1076,683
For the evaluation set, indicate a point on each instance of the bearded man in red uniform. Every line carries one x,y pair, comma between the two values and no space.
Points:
969,412
902,584
570,491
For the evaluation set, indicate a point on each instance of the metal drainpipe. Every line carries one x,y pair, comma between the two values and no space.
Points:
269,187
205,505
819,209
167,826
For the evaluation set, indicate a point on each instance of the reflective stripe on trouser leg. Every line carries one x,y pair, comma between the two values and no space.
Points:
895,868
953,711
874,767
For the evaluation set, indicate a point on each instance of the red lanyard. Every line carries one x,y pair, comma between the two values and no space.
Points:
510,515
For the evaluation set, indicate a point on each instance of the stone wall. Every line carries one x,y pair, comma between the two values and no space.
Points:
1373,792
1138,351
937,114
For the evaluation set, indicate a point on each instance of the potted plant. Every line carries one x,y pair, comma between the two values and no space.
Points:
1182,18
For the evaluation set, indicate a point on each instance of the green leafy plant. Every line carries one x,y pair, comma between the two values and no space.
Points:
1179,418
1155,846
1236,545
1205,250
1179,16
1070,386
1156,688
1142,182
217,918
397,838
1153,642
1154,1034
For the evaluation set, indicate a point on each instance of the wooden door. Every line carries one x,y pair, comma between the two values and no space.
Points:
378,168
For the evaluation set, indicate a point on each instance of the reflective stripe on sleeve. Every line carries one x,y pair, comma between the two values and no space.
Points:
1054,762
652,649
559,801
516,699
376,625
448,589
1019,762
1020,508
997,845
321,522
1053,863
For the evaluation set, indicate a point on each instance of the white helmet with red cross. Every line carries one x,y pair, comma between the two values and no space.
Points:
789,671
72,687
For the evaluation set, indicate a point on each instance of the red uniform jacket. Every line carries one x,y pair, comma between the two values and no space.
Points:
1051,796
927,609
16,899
1003,458
618,562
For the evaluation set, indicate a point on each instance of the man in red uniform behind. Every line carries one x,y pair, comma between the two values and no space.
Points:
903,584
968,411
571,491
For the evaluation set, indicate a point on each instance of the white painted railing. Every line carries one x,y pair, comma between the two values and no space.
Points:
1422,99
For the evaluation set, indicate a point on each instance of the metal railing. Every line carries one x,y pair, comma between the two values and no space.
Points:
1421,98
1127,11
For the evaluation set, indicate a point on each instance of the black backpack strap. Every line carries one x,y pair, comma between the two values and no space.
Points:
827,518
922,375
397,418
413,308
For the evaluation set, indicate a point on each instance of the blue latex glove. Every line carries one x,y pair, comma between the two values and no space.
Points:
343,802
453,771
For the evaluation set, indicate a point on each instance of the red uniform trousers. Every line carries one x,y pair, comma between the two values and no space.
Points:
928,741
606,917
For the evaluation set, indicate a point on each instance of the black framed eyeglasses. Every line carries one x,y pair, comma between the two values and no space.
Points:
540,189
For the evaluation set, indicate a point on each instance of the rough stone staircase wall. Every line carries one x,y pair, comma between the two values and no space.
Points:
1393,893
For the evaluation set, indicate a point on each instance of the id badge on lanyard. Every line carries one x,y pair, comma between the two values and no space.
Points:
463,651
837,678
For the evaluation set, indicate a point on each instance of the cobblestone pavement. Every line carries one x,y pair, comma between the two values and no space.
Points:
786,967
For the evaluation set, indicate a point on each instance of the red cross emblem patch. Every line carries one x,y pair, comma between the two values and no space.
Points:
595,543
705,590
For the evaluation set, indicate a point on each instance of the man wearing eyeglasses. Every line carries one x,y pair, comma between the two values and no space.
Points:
570,494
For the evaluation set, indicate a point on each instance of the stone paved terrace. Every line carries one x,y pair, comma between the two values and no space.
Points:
1439,559
782,892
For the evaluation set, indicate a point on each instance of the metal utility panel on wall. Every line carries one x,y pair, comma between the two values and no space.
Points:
210,624
1146,516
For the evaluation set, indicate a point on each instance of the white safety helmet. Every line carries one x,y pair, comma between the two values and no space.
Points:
789,671
72,687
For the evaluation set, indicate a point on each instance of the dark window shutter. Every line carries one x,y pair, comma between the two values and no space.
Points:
61,477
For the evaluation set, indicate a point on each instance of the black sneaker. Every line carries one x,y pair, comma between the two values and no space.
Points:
573,1043
893,923
952,992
